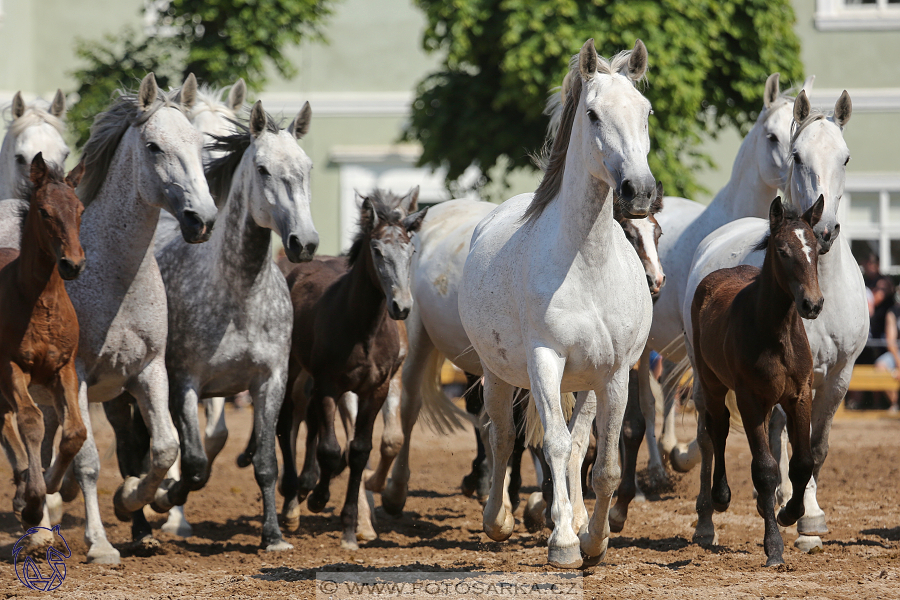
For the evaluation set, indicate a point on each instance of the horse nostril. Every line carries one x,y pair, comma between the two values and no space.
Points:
627,189
826,235
193,221
311,248
294,245
650,281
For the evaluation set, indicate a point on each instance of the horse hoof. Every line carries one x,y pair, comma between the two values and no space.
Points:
145,546
502,532
592,561
784,519
774,560
657,479
533,515
393,499
121,513
706,539
366,534
182,529
103,553
565,557
315,503
279,546
244,460
811,544
615,526
69,489
54,508
812,526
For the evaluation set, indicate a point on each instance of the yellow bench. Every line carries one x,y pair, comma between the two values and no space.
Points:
866,378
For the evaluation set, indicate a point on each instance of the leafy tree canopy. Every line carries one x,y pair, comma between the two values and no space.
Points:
217,40
709,60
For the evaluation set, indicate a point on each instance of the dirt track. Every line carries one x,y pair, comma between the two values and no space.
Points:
441,530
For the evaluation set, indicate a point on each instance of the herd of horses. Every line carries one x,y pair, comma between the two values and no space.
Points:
550,302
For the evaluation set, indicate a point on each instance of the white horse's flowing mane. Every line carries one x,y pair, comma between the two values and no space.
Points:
35,114
209,99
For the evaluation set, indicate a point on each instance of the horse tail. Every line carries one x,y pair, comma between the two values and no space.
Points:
734,420
438,411
534,429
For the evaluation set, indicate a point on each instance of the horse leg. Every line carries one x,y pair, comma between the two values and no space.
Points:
498,398
515,475
74,432
632,435
310,473
801,465
348,407
149,389
705,531
391,436
535,508
184,402
87,471
268,394
421,352
287,441
322,411
778,438
718,424
30,423
131,444
580,426
245,458
764,471
658,478
478,481
16,454
360,448
828,398
216,432
611,402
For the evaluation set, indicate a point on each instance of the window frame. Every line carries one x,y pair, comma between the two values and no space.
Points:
837,15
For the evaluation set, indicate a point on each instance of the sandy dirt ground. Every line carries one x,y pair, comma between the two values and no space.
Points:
441,531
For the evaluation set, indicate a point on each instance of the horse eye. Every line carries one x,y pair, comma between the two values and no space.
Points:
20,159
797,158
846,161
771,137
262,171
44,213
154,148
592,115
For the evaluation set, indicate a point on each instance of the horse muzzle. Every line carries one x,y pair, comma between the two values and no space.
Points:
69,269
636,196
297,251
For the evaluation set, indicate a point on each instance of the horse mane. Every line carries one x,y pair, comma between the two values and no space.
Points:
209,99
562,116
796,128
107,131
387,211
220,171
791,213
35,114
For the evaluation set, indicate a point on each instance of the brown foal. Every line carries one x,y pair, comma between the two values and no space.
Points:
39,336
748,337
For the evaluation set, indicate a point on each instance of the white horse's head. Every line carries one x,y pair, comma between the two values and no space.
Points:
612,116
33,128
165,150
818,163
770,138
213,117
273,174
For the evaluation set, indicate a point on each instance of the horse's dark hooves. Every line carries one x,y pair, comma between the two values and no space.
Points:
774,560
244,460
121,514
316,503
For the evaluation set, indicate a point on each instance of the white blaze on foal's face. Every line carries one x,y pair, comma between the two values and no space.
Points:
804,245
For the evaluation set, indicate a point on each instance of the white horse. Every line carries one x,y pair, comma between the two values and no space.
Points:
143,155
212,117
32,129
759,170
534,298
817,167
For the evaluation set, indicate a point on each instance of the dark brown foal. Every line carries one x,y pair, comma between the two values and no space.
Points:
39,336
749,338
345,340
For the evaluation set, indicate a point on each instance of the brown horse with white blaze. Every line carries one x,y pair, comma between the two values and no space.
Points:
39,336
749,339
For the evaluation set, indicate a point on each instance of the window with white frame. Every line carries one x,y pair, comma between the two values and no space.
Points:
870,217
843,15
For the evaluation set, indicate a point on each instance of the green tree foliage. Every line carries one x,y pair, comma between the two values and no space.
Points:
217,40
709,60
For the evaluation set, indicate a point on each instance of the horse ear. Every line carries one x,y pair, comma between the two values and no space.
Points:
802,107
237,94
808,84
410,202
772,90
776,214
369,214
18,106
300,126
413,222
75,175
842,109
637,62
148,91
258,119
587,60
188,94
814,213
58,107
39,169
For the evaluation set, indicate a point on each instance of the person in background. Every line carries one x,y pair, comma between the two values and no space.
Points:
890,360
